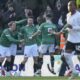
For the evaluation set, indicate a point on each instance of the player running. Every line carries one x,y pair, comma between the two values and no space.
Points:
73,40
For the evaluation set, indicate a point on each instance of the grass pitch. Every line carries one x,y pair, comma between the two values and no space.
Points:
36,78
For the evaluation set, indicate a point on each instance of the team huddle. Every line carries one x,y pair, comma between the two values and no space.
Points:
38,40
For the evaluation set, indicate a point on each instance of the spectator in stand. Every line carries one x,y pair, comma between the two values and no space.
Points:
3,4
1,22
48,11
28,12
23,22
10,14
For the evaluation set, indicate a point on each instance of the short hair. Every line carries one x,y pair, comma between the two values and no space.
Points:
30,17
49,15
10,23
73,2
40,17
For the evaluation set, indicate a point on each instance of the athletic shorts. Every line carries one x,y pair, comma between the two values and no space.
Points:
31,51
73,47
4,51
44,48
13,49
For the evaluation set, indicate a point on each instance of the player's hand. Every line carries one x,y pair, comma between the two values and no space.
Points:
68,29
30,37
57,50
68,26
50,30
38,32
33,35
57,33
57,47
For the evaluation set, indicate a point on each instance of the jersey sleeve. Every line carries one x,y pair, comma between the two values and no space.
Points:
21,33
57,38
10,38
55,28
21,22
40,29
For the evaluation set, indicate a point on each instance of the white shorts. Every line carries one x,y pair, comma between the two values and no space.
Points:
13,49
68,58
47,47
31,51
4,51
38,48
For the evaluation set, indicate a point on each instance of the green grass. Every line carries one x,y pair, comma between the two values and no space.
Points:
36,78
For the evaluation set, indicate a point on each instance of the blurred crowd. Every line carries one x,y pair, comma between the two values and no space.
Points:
15,10
11,10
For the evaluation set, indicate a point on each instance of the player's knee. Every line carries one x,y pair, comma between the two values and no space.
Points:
25,59
63,58
78,57
8,58
36,59
1,59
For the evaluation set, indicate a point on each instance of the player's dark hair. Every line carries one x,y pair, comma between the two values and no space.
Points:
30,17
49,15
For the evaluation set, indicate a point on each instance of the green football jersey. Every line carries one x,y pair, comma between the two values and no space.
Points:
20,24
7,38
47,38
27,32
39,37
